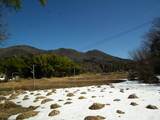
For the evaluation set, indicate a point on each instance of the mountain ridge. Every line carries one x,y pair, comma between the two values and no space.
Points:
24,50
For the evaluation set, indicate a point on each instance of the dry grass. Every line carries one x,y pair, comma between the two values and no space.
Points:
81,97
10,108
133,104
117,100
70,95
54,113
46,100
54,106
120,112
74,81
50,93
27,114
98,117
67,103
96,106
2,98
132,96
151,107
40,97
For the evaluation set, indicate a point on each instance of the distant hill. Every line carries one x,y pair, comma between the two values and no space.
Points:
24,50
92,58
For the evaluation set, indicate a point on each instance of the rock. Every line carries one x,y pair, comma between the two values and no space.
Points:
54,106
98,117
151,107
132,96
96,106
133,104
120,112
54,113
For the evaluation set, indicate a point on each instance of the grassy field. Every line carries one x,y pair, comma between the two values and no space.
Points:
63,82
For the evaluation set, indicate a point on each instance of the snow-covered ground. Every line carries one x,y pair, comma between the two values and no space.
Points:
105,94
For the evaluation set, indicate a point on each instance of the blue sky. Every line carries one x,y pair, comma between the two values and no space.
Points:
82,24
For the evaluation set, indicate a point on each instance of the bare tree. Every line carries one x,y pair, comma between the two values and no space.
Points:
147,57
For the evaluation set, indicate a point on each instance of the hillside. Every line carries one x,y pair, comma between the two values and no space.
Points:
93,60
24,50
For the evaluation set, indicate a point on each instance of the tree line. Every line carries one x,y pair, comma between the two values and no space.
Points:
45,66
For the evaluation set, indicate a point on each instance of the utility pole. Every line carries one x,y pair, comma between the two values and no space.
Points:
74,71
33,72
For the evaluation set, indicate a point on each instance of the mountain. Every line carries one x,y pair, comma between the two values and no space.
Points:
92,55
93,60
22,50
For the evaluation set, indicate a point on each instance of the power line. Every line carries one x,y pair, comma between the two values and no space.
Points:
116,35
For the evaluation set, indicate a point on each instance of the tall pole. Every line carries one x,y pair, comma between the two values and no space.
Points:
34,77
74,71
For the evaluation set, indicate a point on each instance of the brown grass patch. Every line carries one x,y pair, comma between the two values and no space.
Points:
132,96
70,95
117,100
40,97
13,96
26,97
98,117
31,93
65,82
81,97
69,99
50,93
26,115
37,94
46,100
2,98
93,96
120,112
6,92
10,108
67,103
54,113
83,93
96,106
133,104
54,106
151,107
36,100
